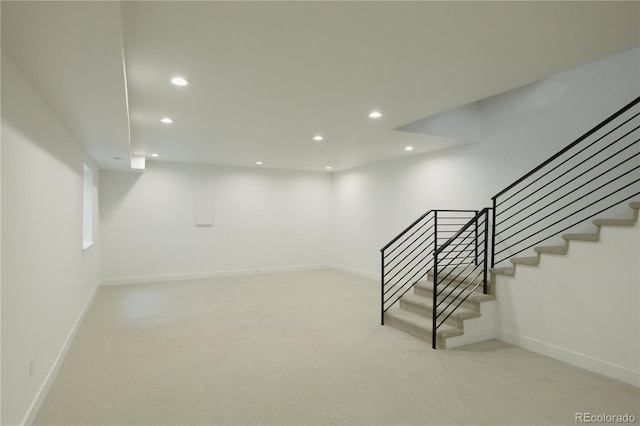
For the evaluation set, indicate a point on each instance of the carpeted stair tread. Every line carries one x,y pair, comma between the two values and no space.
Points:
508,271
531,261
459,274
413,324
476,296
413,315
581,237
613,222
561,250
424,306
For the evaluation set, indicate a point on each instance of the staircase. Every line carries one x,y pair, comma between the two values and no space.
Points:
510,271
474,320
438,275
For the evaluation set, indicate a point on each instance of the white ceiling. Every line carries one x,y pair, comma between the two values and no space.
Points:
268,76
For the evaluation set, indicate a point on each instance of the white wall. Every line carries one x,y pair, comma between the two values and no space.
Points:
582,308
264,220
519,130
572,317
47,279
0,271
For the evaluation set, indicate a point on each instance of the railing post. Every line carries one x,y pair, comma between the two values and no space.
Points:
493,233
486,247
382,287
434,329
476,239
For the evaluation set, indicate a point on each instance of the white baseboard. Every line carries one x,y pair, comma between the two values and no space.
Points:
355,271
599,366
33,410
213,274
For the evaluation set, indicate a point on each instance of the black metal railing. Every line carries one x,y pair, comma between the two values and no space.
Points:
460,267
598,171
410,256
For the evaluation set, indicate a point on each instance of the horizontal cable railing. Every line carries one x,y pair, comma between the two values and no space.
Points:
460,267
599,170
409,257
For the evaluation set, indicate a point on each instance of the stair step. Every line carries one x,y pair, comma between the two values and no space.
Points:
551,249
414,313
613,222
508,271
425,289
531,261
581,237
458,274
424,306
419,326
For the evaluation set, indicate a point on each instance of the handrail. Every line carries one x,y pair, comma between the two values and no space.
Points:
464,228
591,175
405,231
408,228
459,265
406,261
465,272
568,147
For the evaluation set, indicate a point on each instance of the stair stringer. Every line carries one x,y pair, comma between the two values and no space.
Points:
588,318
477,329
564,249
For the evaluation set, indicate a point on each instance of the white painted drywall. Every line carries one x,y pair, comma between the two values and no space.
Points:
263,220
47,279
463,123
520,129
582,308
0,270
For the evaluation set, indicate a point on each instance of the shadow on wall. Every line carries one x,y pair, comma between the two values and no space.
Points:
27,108
110,200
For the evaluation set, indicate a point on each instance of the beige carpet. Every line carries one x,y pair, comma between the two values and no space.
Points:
302,348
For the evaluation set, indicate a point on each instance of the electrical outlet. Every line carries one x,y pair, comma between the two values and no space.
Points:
32,365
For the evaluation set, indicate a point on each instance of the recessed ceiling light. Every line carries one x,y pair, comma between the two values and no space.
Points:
179,81
408,148
258,162
328,167
375,114
155,155
317,138
166,120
